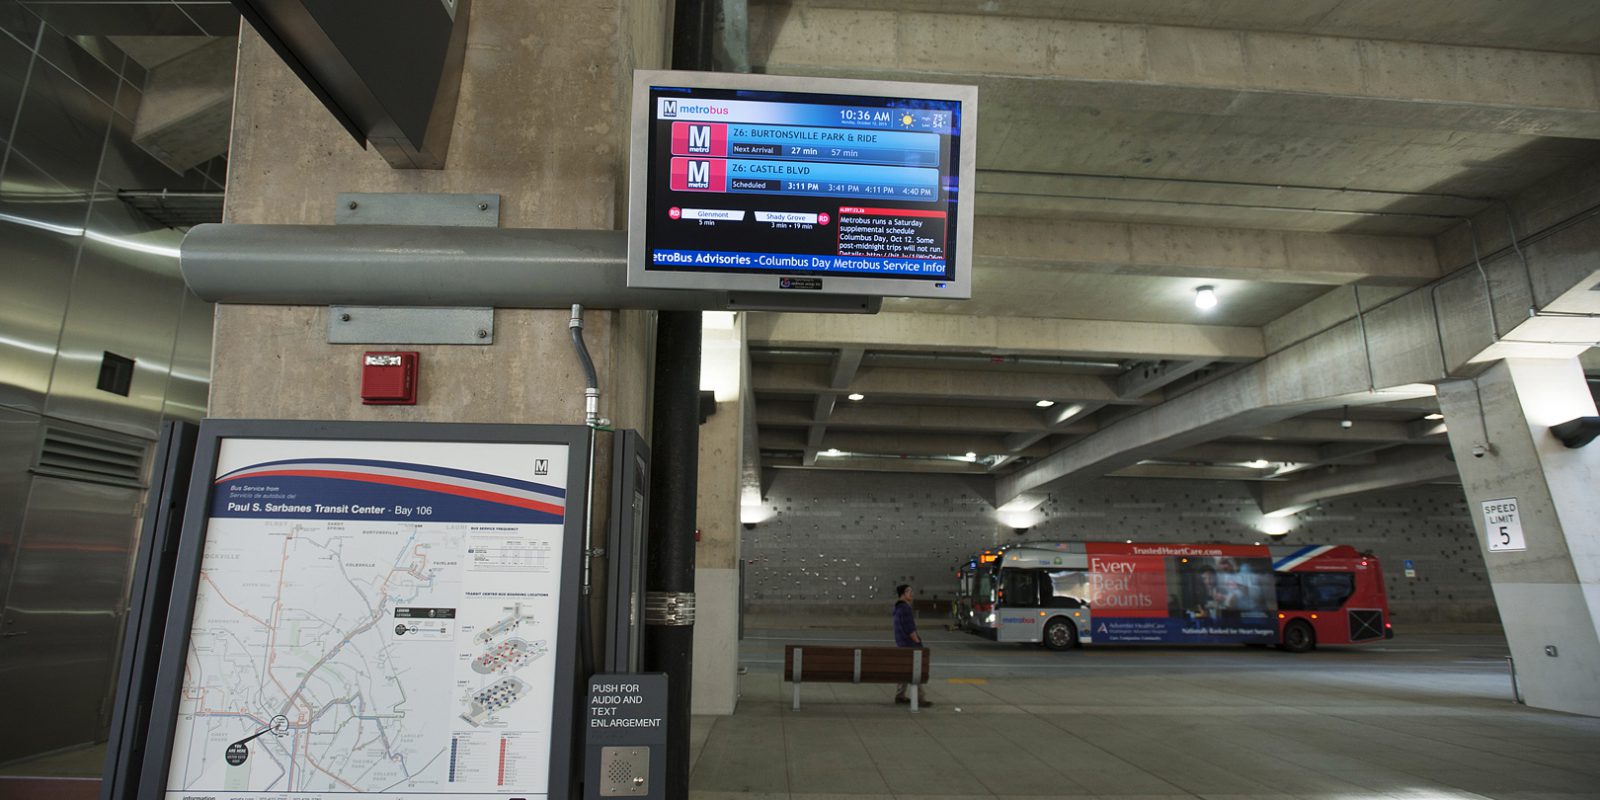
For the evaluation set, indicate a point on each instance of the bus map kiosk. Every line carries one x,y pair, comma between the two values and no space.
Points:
377,608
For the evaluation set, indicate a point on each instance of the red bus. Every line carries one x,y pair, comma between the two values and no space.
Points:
1062,594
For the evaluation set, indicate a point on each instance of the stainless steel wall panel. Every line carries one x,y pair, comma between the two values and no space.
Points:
62,127
14,60
128,99
18,21
218,19
125,302
87,68
188,388
39,224
19,438
117,18
133,72
63,614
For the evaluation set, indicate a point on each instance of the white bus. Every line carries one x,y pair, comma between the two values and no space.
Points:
1062,594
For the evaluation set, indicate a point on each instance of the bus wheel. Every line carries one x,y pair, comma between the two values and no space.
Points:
1298,637
1060,634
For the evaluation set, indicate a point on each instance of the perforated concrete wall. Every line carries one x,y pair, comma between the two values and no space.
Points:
841,541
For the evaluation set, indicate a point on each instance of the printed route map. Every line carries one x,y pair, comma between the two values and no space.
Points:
374,618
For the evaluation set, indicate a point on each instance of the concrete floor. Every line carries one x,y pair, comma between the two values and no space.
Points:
1424,716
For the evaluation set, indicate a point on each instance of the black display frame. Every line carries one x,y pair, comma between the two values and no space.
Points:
191,547
955,285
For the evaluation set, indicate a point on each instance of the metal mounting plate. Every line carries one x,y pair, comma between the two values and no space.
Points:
416,208
408,325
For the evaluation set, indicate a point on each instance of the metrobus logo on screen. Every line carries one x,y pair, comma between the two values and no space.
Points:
671,107
699,175
699,138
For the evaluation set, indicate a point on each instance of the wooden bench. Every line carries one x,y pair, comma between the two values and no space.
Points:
843,664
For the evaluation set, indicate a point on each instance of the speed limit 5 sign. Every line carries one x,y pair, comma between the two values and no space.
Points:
1502,525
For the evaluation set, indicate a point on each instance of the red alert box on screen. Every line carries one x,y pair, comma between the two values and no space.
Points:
389,378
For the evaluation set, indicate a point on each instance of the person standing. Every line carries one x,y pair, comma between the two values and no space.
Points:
905,634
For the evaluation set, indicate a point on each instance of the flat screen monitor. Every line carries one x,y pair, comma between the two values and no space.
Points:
801,186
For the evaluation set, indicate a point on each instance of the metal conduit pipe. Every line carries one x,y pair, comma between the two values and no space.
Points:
1527,271
1488,289
1366,344
408,265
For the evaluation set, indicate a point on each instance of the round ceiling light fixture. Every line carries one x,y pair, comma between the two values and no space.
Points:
1205,297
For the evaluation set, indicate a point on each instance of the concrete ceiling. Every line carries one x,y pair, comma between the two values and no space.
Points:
1130,151
1295,156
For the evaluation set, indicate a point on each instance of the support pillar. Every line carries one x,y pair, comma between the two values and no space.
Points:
542,123
1549,592
716,577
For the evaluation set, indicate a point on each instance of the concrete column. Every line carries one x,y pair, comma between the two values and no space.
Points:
1549,592
542,122
716,581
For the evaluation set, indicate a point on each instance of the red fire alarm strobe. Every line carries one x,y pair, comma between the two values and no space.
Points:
389,379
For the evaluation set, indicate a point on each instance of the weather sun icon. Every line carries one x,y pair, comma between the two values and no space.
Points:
907,119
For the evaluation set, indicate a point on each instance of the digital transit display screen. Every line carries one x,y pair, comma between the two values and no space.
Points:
851,187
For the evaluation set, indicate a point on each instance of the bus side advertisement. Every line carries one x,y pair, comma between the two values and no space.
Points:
1188,594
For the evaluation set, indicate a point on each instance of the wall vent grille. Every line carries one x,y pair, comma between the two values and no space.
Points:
82,455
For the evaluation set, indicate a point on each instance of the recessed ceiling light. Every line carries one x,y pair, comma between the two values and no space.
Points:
832,451
1259,463
1434,416
1205,297
1045,403
856,396
971,456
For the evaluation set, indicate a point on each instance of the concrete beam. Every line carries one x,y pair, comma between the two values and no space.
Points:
1186,472
869,464
1058,419
1329,430
880,383
1241,452
913,417
1194,252
1407,467
187,107
1151,376
845,364
892,444
935,333
822,407
1420,336
1192,70
1327,371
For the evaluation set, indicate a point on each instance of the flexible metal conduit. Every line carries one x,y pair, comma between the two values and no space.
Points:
408,265
591,419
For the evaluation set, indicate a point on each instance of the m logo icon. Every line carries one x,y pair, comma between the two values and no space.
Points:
541,466
669,108
700,138
699,175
